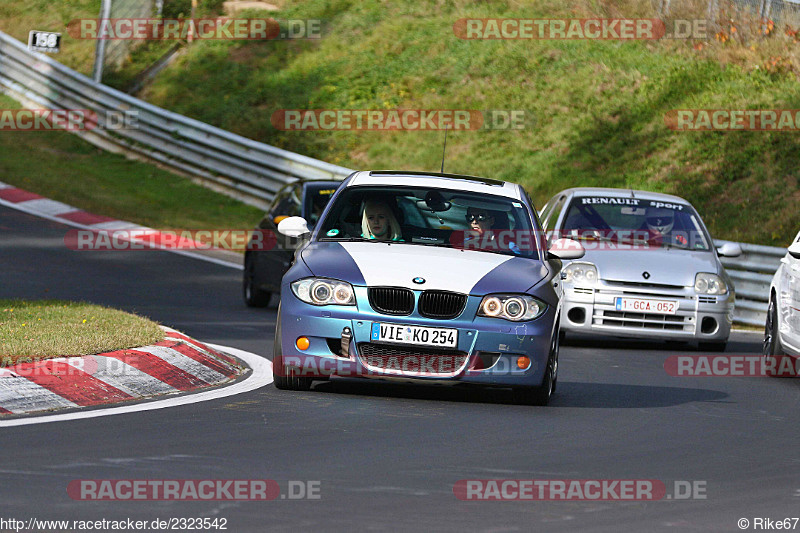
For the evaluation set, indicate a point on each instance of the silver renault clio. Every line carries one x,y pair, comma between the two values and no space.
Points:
650,270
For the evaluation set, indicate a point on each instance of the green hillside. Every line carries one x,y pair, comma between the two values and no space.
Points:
596,107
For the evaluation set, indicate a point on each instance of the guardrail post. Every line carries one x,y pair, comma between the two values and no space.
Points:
100,47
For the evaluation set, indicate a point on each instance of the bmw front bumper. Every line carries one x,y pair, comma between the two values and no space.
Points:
488,350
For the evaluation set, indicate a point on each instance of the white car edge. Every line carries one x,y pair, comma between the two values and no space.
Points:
782,328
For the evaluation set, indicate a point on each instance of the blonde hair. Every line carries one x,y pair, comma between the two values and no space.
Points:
394,226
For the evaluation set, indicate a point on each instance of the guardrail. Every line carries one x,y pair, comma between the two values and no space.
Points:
234,165
752,273
246,169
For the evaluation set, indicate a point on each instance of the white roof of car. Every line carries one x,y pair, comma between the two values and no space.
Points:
436,180
622,193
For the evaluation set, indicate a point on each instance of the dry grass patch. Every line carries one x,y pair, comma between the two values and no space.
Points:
42,329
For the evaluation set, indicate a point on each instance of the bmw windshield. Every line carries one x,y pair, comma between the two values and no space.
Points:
431,217
620,219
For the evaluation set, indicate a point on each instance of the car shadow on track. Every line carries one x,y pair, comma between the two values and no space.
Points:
569,394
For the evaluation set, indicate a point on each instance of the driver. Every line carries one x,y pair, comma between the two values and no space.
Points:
660,222
378,222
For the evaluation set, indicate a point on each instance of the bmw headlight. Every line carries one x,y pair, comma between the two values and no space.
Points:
707,283
580,274
514,307
322,291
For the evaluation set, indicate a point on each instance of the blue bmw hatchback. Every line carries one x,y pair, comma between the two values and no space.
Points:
425,277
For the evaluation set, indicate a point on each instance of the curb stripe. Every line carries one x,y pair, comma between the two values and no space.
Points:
159,369
82,217
261,376
124,377
171,333
185,363
49,207
204,359
167,367
22,200
79,387
117,224
20,395
15,196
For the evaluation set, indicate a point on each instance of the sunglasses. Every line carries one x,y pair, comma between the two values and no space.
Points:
480,218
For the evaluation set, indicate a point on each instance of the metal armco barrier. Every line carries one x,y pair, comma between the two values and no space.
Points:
752,273
246,169
234,165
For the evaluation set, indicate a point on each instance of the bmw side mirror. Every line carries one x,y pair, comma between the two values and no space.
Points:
730,249
566,249
293,227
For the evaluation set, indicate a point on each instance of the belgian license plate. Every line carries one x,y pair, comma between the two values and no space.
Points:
643,305
419,335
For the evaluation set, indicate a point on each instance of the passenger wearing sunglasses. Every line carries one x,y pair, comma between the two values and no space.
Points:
482,222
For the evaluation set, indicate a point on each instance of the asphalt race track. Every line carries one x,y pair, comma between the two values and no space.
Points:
387,456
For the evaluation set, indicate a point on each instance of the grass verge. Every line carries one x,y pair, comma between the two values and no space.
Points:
43,329
63,167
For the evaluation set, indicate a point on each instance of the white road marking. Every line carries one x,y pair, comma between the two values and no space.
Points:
261,376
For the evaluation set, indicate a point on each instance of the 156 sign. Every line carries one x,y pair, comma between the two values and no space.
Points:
44,41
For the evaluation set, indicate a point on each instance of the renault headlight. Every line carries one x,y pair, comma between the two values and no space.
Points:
322,291
707,283
514,307
580,274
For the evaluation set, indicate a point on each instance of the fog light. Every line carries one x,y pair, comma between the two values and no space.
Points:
577,315
302,343
523,362
708,325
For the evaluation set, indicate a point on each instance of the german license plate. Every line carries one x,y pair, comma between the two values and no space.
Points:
646,305
418,335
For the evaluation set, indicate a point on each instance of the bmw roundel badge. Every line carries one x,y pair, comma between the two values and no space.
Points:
418,280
